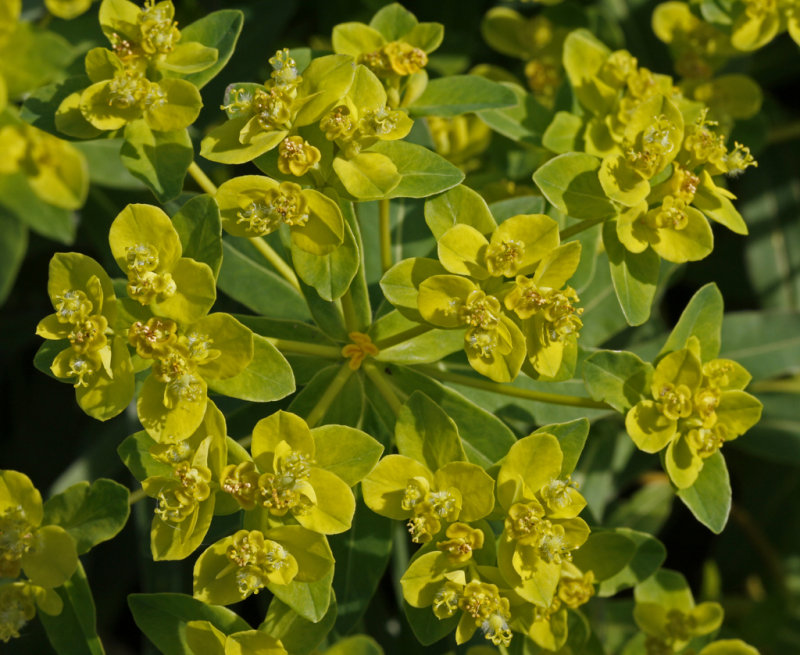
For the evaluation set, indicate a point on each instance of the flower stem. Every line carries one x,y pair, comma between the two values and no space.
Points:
277,261
202,179
136,496
349,312
568,232
406,335
303,348
324,403
516,392
383,386
385,227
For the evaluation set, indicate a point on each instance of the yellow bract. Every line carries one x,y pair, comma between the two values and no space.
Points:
45,553
693,410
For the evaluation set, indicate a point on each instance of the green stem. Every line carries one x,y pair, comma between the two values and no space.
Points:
280,265
303,348
385,227
277,261
324,403
136,496
203,181
515,392
349,312
383,386
406,335
579,227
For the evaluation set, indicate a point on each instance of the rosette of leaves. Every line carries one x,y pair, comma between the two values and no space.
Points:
506,322
299,475
184,480
253,206
261,116
95,354
147,248
45,553
248,561
395,46
642,159
688,405
131,81
541,518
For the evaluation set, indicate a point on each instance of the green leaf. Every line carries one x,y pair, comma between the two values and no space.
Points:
267,377
393,21
348,452
702,318
159,159
620,564
200,231
134,452
105,164
74,630
90,514
709,498
427,434
572,438
460,94
423,172
634,275
359,291
332,273
767,344
459,205
400,284
427,628
39,108
347,407
299,636
768,199
564,134
647,509
502,210
244,279
406,342
618,378
219,30
570,184
363,645
776,437
39,56
362,554
486,439
328,316
47,220
310,600
13,245
524,122
163,618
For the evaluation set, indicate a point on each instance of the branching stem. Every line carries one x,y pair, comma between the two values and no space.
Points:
385,228
324,403
303,348
277,261
515,392
383,386
401,337
203,181
568,232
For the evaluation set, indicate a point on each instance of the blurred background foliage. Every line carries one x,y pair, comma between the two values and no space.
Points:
752,568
